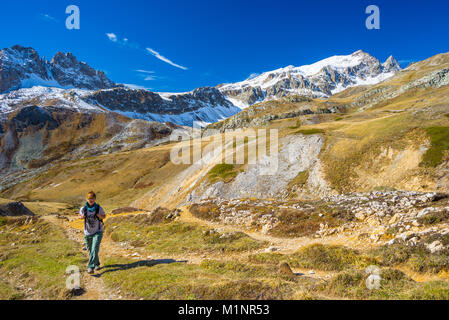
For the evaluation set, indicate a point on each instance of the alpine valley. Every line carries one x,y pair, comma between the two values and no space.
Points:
362,180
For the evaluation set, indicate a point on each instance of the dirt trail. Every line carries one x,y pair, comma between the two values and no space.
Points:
93,286
95,289
284,245
290,245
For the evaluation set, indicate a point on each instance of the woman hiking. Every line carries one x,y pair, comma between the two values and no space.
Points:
93,215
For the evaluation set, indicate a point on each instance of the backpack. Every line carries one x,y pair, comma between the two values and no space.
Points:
96,216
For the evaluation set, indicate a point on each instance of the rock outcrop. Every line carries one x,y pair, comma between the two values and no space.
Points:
22,67
203,105
15,209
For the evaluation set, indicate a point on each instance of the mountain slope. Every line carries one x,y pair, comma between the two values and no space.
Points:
204,105
37,133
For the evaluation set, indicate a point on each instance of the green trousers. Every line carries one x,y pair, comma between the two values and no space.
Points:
93,247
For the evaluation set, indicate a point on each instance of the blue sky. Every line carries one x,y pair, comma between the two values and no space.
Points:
177,46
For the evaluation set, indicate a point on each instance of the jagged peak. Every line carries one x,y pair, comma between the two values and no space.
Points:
18,50
391,64
391,59
360,52
63,56
26,68
18,47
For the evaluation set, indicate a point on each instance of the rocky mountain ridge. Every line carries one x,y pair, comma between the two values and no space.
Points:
22,67
66,81
202,105
319,80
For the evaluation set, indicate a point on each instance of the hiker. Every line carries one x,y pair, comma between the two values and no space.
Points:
93,215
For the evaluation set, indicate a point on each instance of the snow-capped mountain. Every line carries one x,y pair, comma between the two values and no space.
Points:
22,67
319,80
203,105
26,78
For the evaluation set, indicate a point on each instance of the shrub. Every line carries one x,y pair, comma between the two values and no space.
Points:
205,211
434,217
330,258
418,258
432,290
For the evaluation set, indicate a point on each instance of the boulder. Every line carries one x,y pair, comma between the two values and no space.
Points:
360,216
284,269
272,249
435,246
15,209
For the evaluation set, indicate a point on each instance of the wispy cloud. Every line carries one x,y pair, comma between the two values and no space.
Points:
112,37
147,75
47,17
160,57
145,71
135,86
123,42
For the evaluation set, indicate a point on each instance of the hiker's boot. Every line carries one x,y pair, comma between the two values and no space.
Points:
97,268
90,271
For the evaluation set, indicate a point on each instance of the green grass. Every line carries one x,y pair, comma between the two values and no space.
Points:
300,179
237,269
394,284
356,146
317,256
310,131
431,290
269,258
330,258
352,284
160,281
418,258
297,126
8,292
439,139
211,280
177,237
222,171
350,281
39,257
206,211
